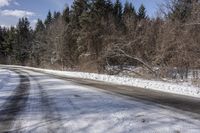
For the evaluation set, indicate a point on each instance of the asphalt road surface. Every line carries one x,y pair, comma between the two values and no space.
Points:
39,102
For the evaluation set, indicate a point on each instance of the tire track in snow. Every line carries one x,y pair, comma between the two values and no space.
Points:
5,79
52,118
14,104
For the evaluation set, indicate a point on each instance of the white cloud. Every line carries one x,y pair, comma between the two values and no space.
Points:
17,13
4,25
33,23
4,3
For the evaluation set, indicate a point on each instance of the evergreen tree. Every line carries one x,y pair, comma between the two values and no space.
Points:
9,41
56,15
1,35
49,19
102,9
129,10
109,6
24,41
37,49
181,10
39,26
66,15
79,7
142,12
118,11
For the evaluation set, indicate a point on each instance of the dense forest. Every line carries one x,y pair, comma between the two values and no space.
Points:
94,34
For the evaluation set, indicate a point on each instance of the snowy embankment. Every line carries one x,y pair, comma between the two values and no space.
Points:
180,89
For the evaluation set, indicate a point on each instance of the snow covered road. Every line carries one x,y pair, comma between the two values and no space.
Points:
44,104
8,83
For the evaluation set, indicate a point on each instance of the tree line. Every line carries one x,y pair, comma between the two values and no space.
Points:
94,34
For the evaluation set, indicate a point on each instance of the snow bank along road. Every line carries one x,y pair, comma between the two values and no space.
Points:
185,88
34,102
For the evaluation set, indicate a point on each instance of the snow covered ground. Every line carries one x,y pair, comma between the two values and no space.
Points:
4,74
8,82
181,89
60,106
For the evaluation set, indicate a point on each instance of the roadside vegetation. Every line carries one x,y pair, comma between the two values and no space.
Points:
105,37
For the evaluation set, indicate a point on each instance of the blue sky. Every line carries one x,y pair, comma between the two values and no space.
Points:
12,10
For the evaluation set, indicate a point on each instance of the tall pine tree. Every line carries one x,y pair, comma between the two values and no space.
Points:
56,15
118,11
66,15
129,10
48,20
24,41
78,8
39,26
181,10
142,13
